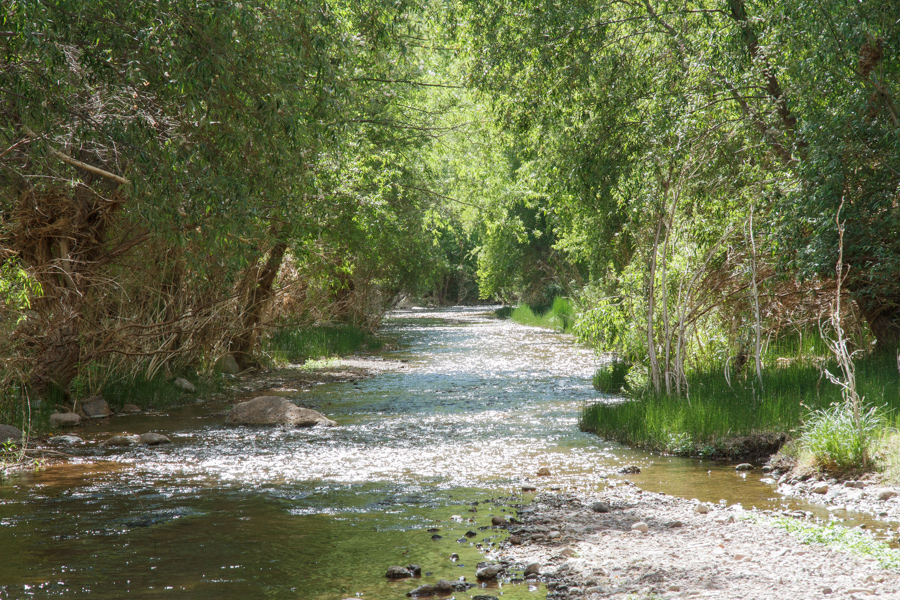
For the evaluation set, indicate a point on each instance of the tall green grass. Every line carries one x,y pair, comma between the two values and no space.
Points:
299,344
560,316
714,412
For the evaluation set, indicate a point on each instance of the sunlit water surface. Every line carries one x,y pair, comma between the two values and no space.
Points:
478,407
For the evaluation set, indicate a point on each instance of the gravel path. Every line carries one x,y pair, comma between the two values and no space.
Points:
685,552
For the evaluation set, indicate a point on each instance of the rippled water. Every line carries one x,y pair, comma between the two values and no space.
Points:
477,408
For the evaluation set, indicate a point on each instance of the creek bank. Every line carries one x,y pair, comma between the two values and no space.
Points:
868,493
713,552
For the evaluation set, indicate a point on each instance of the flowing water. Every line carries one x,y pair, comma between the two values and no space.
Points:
423,454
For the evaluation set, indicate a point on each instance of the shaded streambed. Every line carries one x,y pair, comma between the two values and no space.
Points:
477,408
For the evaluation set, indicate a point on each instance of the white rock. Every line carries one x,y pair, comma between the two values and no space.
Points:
640,526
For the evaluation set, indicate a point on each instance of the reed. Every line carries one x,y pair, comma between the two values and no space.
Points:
715,412
560,316
299,344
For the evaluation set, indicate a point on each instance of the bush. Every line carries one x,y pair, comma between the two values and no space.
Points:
835,441
610,378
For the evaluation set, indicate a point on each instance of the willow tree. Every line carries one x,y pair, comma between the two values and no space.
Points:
180,141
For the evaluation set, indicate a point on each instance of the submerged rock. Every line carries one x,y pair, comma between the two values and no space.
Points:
744,467
422,590
65,420
10,434
153,439
630,470
65,440
130,408
397,572
121,440
489,572
274,410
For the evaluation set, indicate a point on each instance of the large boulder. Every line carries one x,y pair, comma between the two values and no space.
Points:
10,434
228,364
274,410
65,420
95,407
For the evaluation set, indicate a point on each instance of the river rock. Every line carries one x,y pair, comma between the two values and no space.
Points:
416,570
130,408
65,420
485,598
274,410
10,434
444,587
184,385
630,470
488,572
397,572
600,507
533,569
498,520
65,440
701,509
819,488
886,494
543,472
515,540
153,439
529,488
227,364
640,526
121,440
422,590
95,407
744,467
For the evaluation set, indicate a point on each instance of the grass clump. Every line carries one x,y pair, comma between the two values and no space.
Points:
299,344
739,420
611,377
560,316
835,441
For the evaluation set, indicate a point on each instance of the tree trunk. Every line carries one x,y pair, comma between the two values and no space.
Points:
243,344
884,323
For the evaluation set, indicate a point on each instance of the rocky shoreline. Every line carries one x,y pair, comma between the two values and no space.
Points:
627,543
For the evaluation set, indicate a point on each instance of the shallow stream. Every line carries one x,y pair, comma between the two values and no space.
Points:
423,454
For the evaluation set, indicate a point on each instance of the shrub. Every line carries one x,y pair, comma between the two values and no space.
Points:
834,440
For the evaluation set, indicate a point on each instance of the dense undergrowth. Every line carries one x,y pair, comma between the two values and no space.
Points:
720,420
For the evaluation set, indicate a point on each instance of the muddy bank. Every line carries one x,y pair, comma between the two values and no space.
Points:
627,543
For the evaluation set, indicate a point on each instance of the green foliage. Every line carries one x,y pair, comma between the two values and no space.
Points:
611,377
715,411
297,345
842,538
559,316
836,441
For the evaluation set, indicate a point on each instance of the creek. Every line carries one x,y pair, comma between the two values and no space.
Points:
442,442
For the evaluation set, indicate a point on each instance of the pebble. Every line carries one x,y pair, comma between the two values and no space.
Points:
640,526
498,521
701,509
